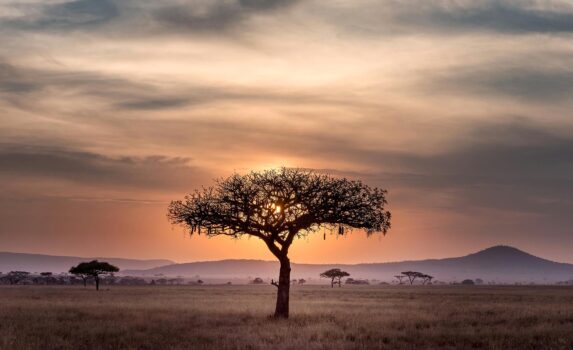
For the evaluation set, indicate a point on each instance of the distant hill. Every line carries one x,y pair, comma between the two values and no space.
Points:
500,264
56,264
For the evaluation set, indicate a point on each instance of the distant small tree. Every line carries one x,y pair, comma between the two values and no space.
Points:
257,280
412,275
301,281
93,269
426,278
400,278
45,274
468,282
335,276
478,281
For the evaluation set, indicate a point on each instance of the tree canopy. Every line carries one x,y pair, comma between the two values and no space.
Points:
93,269
335,274
278,206
412,275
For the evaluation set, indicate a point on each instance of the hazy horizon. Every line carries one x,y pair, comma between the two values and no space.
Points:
270,259
110,109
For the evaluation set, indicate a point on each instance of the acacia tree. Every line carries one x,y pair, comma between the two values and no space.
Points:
427,278
400,278
412,275
335,274
278,206
93,269
83,276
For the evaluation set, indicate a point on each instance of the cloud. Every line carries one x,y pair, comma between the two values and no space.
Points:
514,166
214,16
541,84
69,15
150,173
131,18
22,84
493,15
25,87
450,16
121,17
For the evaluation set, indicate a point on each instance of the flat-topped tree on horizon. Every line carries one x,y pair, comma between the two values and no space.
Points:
278,206
412,275
93,269
335,274
427,278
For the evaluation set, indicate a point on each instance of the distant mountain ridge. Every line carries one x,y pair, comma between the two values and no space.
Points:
53,263
500,264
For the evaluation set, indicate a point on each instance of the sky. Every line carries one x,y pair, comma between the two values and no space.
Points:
461,109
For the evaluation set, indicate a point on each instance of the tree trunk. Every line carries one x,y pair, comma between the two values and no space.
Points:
85,282
97,282
332,283
281,310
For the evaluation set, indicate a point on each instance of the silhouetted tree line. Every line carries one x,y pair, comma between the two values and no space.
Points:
357,281
49,278
171,281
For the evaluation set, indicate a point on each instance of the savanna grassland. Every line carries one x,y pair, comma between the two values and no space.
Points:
236,317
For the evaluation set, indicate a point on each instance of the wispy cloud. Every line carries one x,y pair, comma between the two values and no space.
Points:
25,163
166,17
530,83
395,17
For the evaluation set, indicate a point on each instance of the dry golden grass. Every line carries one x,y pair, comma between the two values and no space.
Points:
235,317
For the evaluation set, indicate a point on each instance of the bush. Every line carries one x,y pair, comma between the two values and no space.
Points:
353,281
